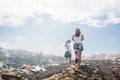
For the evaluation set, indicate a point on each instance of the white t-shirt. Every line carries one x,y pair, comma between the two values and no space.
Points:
68,48
77,39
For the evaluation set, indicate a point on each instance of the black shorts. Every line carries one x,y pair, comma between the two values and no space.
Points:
78,46
67,54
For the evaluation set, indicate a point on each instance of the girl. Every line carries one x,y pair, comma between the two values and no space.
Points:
67,52
78,46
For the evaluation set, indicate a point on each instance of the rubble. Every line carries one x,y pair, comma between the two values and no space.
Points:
38,68
30,72
96,70
28,66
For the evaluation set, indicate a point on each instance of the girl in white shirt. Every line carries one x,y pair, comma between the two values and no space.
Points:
67,54
78,46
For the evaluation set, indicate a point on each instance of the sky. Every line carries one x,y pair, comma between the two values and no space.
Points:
45,25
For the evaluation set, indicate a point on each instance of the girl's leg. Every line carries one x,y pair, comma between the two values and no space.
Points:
79,58
65,60
76,60
68,60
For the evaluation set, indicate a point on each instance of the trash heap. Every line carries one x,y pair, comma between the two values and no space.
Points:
30,72
72,73
20,73
96,70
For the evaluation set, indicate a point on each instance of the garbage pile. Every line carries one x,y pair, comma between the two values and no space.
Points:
89,70
96,70
30,72
72,73
23,72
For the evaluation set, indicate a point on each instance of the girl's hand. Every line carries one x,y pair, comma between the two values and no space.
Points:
82,37
73,37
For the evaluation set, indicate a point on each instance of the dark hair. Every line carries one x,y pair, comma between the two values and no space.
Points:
68,41
77,32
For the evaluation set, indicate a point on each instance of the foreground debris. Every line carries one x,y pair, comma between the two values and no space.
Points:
96,70
27,72
89,70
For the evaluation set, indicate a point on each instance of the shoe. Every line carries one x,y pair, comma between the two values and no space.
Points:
76,60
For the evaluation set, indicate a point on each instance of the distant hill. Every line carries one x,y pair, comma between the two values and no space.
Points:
102,57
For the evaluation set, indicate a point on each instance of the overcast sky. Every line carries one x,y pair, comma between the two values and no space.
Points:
36,25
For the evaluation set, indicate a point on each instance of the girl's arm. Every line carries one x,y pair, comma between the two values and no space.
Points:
68,47
65,43
82,37
73,37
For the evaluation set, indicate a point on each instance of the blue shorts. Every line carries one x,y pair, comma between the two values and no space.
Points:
78,46
67,54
